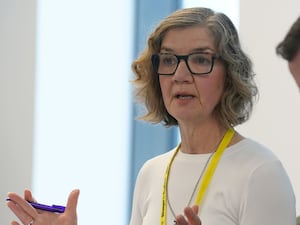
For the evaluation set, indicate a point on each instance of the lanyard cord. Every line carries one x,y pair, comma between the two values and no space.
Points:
207,175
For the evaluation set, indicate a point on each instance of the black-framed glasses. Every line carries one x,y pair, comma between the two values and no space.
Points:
197,63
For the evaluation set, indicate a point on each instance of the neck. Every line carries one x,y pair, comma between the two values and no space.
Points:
201,140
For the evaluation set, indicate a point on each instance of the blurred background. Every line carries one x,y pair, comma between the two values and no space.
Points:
67,115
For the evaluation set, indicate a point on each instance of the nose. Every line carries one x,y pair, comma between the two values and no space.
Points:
182,73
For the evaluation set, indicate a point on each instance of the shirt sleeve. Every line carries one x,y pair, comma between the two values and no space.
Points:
269,198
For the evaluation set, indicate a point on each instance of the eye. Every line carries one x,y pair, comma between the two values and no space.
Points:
200,59
168,60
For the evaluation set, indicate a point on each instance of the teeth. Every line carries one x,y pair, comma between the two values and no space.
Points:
184,96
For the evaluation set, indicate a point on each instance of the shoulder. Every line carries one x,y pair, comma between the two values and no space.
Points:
158,161
155,166
250,150
254,166
254,161
251,158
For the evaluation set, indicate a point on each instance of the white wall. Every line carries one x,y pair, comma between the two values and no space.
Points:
17,55
82,108
276,120
64,93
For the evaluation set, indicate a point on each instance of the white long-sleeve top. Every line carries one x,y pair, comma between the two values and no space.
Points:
249,187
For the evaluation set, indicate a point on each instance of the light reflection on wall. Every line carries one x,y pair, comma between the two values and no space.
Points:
82,109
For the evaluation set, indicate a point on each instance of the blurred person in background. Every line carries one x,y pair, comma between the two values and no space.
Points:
289,49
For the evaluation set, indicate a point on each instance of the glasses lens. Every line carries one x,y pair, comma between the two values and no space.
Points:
200,63
167,64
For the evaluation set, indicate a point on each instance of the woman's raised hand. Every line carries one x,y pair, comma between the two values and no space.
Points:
31,216
191,216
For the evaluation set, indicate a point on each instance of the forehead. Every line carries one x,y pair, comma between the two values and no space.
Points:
188,39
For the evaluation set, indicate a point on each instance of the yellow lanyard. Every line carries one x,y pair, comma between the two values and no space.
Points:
206,178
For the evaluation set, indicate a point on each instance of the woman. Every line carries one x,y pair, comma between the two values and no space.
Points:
194,75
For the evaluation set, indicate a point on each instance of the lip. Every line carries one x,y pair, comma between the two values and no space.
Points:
183,95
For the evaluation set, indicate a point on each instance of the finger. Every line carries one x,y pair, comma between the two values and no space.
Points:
14,223
28,195
195,209
19,212
180,220
191,214
72,202
23,205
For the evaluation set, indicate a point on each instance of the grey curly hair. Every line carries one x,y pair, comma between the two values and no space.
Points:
240,90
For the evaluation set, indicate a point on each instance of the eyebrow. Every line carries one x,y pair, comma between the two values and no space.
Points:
200,49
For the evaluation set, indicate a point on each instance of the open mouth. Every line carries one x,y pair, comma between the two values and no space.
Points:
184,96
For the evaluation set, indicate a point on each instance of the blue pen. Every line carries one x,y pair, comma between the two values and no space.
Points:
49,208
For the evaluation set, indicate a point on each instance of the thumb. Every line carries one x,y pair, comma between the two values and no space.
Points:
72,202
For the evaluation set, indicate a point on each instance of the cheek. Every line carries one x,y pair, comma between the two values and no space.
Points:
213,86
218,77
211,92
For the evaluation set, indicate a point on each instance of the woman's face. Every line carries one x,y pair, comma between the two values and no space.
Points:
188,97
